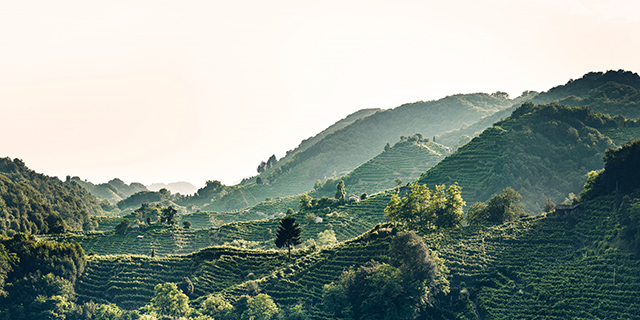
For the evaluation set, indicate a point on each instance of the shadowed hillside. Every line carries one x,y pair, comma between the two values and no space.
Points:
540,151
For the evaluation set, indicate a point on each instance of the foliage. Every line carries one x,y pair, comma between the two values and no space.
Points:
169,216
502,207
170,301
260,307
621,172
217,307
327,237
540,151
423,209
340,193
122,227
288,234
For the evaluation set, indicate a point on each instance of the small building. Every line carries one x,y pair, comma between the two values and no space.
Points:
318,220
145,204
564,209
354,198
140,237
134,227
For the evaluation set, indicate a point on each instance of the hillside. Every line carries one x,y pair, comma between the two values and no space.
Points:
406,160
540,151
558,266
612,92
232,229
113,191
32,200
351,146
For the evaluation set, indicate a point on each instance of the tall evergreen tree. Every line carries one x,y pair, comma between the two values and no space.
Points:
288,234
340,192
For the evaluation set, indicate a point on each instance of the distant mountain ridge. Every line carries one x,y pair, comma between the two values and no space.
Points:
181,187
114,191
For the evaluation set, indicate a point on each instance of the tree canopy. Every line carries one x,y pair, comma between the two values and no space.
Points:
288,234
423,208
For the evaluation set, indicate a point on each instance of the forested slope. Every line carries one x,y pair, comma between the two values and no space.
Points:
539,151
35,203
612,92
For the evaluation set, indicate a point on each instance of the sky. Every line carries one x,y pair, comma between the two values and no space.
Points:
164,91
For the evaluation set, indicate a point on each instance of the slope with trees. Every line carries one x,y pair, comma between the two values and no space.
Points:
346,148
540,151
35,203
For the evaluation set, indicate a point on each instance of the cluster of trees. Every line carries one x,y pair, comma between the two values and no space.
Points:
502,207
400,288
37,278
423,209
264,166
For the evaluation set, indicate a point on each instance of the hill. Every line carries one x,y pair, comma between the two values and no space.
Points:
612,92
540,151
404,161
113,191
556,266
345,149
35,203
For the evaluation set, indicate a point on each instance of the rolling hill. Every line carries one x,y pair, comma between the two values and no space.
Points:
540,151
345,149
612,92
33,203
555,266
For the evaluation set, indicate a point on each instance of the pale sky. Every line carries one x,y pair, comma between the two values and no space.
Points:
164,91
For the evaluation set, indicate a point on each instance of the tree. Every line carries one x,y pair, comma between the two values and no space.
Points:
399,182
505,206
258,180
305,201
186,224
290,211
340,192
261,307
169,215
387,147
217,307
477,214
327,237
451,214
169,300
288,234
549,206
123,226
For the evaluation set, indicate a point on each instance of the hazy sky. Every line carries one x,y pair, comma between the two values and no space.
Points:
163,91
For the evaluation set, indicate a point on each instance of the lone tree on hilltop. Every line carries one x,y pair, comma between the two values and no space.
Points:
288,234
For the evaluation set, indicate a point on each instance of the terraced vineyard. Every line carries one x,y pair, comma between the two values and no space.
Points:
540,151
347,222
405,161
555,267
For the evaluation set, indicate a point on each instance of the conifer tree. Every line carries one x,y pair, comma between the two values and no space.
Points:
340,192
288,234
